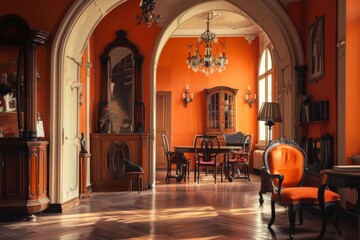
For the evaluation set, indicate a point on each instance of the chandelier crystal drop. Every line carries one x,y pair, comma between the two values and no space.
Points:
210,62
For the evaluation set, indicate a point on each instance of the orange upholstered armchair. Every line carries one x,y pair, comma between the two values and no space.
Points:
285,164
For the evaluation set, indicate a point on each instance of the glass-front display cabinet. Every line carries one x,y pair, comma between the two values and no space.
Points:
220,110
23,157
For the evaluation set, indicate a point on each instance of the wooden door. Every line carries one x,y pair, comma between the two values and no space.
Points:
163,125
70,154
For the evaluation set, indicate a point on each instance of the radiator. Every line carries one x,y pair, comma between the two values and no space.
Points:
258,159
351,196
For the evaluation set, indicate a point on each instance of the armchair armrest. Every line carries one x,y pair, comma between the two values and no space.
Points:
279,177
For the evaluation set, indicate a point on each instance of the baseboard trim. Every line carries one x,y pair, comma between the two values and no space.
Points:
62,207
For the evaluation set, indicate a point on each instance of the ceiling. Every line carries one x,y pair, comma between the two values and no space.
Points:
225,23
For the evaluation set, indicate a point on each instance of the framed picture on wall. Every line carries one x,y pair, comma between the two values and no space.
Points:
317,49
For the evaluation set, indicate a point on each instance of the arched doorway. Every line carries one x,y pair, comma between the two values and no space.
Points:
72,37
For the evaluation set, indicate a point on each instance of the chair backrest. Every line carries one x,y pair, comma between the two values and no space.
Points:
165,142
171,156
204,145
247,145
287,158
234,139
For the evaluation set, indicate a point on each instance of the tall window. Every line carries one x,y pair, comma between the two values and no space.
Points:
265,89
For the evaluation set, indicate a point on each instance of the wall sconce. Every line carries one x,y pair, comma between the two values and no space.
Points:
185,96
248,99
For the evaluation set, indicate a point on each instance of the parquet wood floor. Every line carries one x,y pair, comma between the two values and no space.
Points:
188,210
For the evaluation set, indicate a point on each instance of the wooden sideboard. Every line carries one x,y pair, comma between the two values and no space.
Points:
23,174
106,151
23,158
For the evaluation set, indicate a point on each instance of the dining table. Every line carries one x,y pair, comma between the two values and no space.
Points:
226,150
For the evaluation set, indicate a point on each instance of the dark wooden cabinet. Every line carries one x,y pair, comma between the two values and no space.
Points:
107,152
220,110
23,188
121,140
23,159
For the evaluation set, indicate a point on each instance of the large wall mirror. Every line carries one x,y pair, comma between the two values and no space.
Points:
19,77
11,91
121,109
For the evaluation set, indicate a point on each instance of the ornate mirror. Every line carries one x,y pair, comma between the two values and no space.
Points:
18,77
121,109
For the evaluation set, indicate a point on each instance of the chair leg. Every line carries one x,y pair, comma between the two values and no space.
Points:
168,172
188,170
247,172
179,172
337,207
321,197
198,174
272,214
292,215
184,167
214,173
230,172
261,198
195,169
222,170
301,220
238,170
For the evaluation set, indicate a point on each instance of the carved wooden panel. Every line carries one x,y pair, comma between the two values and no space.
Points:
104,169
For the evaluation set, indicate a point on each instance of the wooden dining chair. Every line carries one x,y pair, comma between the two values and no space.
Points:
181,163
239,160
204,148
285,165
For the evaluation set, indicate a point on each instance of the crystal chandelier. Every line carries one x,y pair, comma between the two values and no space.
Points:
147,16
209,63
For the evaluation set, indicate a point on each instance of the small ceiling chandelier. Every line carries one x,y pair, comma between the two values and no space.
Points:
147,16
209,63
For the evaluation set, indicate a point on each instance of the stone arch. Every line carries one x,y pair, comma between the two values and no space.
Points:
82,18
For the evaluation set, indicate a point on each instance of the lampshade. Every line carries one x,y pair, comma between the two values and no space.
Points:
270,113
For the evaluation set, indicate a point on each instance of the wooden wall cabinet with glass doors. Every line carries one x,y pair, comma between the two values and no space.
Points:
220,111
23,158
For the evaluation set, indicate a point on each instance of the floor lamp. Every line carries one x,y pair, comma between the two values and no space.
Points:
270,113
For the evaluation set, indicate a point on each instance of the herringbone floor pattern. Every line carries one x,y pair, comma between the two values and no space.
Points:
174,211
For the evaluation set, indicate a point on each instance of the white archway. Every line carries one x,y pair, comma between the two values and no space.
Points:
83,17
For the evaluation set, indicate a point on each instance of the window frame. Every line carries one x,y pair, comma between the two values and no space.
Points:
265,95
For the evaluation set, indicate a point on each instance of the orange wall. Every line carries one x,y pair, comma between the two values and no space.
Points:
296,12
82,108
324,88
352,77
303,14
173,75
